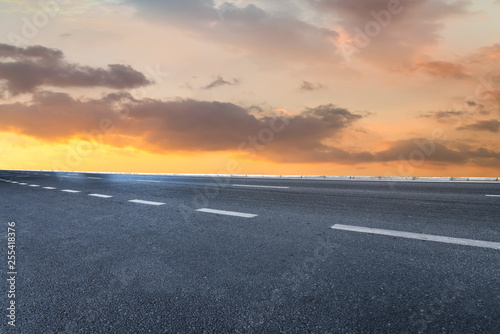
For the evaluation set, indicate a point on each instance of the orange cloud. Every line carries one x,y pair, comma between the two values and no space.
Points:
491,53
391,33
443,69
200,126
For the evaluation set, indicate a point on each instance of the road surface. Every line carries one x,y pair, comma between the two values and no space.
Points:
104,253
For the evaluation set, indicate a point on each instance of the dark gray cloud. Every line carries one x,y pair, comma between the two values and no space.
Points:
199,126
220,81
310,86
23,70
195,11
33,52
248,29
492,125
445,115
307,131
256,108
57,116
421,149
178,125
418,151
413,152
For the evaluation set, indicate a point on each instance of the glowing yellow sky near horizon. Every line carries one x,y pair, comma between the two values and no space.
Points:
21,152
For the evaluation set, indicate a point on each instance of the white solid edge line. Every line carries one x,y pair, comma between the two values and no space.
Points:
70,191
149,181
256,186
488,180
419,236
49,188
228,213
146,202
492,195
94,178
101,196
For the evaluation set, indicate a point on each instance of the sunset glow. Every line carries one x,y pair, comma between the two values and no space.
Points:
320,87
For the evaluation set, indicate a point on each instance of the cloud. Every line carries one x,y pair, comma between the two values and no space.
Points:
23,70
482,65
445,116
308,130
309,86
489,53
55,116
34,52
248,29
221,82
490,98
187,125
163,126
391,35
279,31
422,149
418,151
442,69
414,152
201,11
492,125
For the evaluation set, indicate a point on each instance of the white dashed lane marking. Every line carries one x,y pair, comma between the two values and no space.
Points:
49,188
94,178
228,213
101,196
70,191
256,186
419,236
145,202
492,195
34,185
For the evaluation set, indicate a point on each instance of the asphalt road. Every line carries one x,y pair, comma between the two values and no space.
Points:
89,260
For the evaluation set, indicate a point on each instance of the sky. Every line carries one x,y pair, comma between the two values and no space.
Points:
317,87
